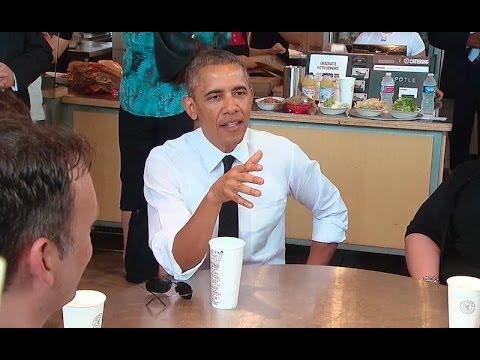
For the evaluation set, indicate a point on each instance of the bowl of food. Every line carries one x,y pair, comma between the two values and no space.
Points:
269,103
405,108
298,104
331,107
370,107
405,115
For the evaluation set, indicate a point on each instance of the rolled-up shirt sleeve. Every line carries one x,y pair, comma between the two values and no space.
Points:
315,191
167,213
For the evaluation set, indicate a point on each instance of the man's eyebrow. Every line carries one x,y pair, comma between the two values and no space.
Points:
214,91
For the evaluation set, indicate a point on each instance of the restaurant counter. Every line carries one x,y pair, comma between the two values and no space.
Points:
384,169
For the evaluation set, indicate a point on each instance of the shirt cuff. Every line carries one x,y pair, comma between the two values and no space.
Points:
328,232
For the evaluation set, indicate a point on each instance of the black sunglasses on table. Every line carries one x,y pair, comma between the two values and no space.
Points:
163,285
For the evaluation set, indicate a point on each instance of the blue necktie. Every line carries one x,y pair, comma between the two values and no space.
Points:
228,217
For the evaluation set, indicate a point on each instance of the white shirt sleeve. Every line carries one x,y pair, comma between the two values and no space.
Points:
315,191
14,86
362,38
416,44
167,213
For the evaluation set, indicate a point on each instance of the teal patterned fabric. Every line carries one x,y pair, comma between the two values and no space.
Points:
141,91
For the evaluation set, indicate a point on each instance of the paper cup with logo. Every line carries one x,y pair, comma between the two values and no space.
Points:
463,302
85,310
346,86
226,260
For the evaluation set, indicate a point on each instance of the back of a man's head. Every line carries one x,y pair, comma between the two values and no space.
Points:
37,166
11,104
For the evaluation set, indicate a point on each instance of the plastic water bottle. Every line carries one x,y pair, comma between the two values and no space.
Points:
428,95
387,89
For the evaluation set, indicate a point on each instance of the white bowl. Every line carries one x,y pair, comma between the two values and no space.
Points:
332,111
405,115
269,106
368,112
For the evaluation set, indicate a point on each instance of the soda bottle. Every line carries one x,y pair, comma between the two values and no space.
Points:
326,88
428,95
309,86
387,89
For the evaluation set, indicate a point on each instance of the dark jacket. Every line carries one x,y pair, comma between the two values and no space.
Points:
28,55
457,71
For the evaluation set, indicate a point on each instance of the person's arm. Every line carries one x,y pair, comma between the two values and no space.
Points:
315,191
361,39
274,50
321,253
417,45
422,255
424,234
294,38
191,242
34,60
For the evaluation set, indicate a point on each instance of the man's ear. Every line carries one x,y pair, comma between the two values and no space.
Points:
42,257
189,106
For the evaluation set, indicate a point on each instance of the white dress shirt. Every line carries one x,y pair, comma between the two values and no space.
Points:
412,40
179,174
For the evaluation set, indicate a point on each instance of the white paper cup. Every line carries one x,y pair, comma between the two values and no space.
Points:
226,260
346,86
463,302
85,310
3,270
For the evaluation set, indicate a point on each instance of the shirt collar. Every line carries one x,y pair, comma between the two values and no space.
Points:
212,156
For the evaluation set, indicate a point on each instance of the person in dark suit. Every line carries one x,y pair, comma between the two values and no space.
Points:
24,56
460,81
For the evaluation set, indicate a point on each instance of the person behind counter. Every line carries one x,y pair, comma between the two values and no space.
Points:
47,208
186,182
240,44
412,40
460,81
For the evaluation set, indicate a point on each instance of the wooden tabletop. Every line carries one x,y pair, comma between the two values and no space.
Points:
291,296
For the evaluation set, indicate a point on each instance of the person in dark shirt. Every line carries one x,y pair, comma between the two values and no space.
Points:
460,81
443,239
24,56
266,40
59,42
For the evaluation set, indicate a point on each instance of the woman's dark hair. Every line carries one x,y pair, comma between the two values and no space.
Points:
37,166
173,53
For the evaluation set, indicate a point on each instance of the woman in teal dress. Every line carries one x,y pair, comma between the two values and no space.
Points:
151,110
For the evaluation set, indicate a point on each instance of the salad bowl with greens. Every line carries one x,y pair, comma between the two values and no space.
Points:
331,107
405,108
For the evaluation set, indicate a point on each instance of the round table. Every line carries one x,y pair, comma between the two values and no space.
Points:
291,296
